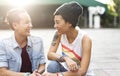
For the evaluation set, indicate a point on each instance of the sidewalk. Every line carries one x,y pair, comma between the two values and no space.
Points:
105,50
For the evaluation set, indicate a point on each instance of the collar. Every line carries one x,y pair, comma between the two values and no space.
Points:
15,44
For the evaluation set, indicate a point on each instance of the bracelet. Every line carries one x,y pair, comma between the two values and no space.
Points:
61,59
27,74
61,74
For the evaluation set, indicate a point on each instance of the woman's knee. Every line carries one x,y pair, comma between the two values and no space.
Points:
53,67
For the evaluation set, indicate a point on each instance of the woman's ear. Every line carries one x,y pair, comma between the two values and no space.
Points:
14,26
70,25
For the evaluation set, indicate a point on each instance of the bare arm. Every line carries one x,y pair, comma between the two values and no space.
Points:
86,54
41,68
53,48
6,72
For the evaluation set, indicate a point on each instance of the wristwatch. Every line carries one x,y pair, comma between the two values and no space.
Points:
61,74
27,74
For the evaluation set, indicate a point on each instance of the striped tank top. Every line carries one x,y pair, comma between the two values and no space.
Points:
73,50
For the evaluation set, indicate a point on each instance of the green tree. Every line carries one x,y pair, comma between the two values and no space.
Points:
117,2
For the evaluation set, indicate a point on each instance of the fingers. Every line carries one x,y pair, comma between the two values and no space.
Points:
73,67
44,74
35,73
48,74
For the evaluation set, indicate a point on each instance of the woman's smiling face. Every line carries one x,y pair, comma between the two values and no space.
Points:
60,24
24,25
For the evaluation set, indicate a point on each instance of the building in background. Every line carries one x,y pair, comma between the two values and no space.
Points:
41,12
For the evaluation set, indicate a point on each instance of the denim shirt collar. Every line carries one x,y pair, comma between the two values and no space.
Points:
29,43
15,44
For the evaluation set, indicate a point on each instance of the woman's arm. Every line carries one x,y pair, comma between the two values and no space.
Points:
53,48
86,54
41,68
6,72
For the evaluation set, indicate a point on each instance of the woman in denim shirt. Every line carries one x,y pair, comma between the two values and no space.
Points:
15,62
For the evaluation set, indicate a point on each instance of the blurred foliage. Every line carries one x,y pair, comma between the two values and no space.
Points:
107,20
117,2
111,8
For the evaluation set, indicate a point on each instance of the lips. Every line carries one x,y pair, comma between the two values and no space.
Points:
28,31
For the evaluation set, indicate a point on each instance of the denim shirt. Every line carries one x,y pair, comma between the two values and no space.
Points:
10,53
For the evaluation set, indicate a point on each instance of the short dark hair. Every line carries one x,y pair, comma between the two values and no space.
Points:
70,12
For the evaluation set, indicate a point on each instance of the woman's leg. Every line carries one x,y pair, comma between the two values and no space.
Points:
55,66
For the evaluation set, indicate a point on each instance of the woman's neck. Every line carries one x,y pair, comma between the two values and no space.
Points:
21,40
71,35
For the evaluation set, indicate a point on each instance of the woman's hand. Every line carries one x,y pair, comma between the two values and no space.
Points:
48,74
72,65
35,73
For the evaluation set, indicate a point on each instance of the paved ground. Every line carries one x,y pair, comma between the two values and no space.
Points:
105,51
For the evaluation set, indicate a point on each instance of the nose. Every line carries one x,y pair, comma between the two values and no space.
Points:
30,25
55,25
